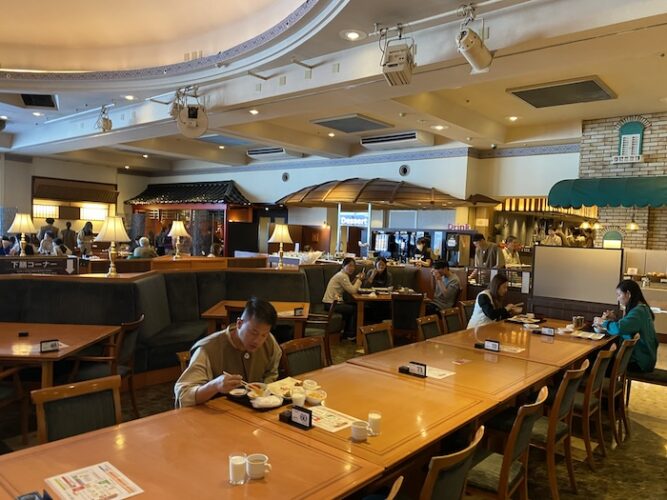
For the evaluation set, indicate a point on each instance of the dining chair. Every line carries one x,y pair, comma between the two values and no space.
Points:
587,404
467,307
117,359
183,359
405,309
557,427
71,409
501,475
447,474
452,320
613,389
428,327
12,392
303,355
328,326
377,337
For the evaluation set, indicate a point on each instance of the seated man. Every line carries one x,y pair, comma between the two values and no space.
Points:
144,250
244,351
447,288
336,288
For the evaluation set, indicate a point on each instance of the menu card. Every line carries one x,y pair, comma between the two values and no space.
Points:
331,420
97,482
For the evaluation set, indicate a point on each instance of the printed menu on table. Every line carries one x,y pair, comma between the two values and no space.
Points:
96,482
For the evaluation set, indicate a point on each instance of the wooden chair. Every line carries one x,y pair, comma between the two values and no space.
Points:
447,474
68,410
327,326
12,392
557,427
613,389
428,327
452,320
393,492
467,307
377,337
117,359
499,476
656,377
589,403
303,355
405,309
183,359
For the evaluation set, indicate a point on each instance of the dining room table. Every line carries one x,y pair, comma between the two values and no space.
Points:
20,343
375,297
221,313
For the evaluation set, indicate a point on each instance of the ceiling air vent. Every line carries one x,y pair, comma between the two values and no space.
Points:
412,139
267,154
40,101
585,89
351,124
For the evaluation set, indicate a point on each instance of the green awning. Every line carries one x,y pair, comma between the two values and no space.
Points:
610,192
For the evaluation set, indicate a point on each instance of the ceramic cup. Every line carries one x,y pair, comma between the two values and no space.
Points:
374,422
309,385
298,397
257,466
530,315
360,431
237,463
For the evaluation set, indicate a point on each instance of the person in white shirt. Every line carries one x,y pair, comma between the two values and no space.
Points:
46,245
552,239
338,285
489,304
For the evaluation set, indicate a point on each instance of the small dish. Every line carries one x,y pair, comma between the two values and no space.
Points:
238,392
310,385
257,390
530,326
316,397
267,402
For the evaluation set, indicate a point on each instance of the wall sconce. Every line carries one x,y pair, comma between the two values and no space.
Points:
632,225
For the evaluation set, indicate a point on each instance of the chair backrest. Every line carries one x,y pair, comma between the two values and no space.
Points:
467,307
428,327
183,359
518,440
68,410
620,368
329,326
126,342
447,474
567,390
451,319
303,355
594,383
405,309
377,337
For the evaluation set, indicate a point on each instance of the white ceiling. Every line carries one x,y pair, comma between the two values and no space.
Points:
534,41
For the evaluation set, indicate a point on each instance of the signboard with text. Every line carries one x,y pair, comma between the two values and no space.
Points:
39,265
353,219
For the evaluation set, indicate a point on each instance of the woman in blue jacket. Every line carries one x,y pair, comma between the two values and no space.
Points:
638,318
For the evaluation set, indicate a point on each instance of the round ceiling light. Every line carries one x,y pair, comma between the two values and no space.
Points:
129,97
353,35
512,118
36,113
254,112
3,117
221,147
438,127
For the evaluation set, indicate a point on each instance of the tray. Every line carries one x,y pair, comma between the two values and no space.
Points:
245,401
522,319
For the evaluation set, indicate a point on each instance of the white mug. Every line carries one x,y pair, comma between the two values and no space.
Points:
360,431
237,463
530,315
257,465
374,422
298,397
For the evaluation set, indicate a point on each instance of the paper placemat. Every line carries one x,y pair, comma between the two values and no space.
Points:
437,373
331,420
96,482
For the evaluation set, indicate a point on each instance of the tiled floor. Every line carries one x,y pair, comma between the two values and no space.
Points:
636,469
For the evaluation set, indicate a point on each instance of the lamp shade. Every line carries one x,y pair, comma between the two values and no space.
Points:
22,224
177,229
113,229
280,234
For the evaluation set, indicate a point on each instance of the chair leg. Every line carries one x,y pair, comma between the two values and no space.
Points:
598,424
133,397
627,393
624,418
586,430
24,419
568,461
612,417
523,488
551,470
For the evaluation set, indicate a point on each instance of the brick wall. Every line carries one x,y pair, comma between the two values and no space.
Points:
599,143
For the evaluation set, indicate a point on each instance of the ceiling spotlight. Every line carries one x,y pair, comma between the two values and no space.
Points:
129,97
127,167
352,35
221,147
331,134
254,112
512,118
398,60
145,155
438,127
471,46
104,123
37,113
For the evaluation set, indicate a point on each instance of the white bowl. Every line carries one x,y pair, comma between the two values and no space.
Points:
272,401
238,392
316,397
257,389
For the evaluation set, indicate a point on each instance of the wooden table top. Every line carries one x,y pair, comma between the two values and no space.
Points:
415,413
367,297
184,454
481,373
560,350
219,311
77,337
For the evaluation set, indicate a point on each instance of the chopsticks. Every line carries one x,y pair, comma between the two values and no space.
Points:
247,385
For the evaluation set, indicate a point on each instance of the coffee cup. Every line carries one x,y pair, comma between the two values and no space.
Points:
530,315
578,322
309,385
360,431
374,422
298,397
237,465
257,465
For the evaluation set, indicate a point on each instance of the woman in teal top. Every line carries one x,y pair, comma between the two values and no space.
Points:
638,318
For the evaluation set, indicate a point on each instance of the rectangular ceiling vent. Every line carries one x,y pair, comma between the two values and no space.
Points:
269,154
412,139
580,90
352,124
45,101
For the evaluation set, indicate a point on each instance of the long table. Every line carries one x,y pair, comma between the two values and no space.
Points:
25,350
362,299
184,454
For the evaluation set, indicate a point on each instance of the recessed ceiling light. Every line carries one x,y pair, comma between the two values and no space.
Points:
352,35
331,134
3,117
127,167
221,147
36,113
129,97
512,118
145,156
254,111
438,127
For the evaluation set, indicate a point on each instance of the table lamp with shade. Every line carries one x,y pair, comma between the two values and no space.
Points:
113,230
280,235
22,225
178,230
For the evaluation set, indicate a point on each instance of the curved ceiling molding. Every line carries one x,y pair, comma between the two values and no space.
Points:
262,47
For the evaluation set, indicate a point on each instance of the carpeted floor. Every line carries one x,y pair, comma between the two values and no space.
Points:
636,469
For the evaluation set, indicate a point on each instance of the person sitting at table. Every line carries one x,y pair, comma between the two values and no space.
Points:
6,246
244,351
378,276
338,285
144,250
447,288
489,303
60,249
638,318
46,245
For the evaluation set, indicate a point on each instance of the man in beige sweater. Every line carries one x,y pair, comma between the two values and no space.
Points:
244,351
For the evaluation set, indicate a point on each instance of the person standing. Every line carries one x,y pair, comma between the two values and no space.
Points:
340,284
423,252
85,239
48,227
510,252
68,236
487,255
552,239
447,288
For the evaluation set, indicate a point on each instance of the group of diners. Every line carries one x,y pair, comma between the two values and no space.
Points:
50,240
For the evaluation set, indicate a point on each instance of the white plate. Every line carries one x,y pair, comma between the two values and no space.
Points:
267,402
